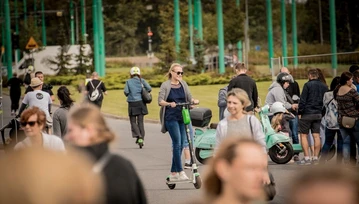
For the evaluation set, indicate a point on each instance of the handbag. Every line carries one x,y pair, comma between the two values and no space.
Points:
348,122
146,96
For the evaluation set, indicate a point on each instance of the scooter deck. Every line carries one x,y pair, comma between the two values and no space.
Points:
181,181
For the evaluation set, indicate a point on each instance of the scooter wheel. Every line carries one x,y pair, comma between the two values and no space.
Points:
140,143
198,183
171,186
281,157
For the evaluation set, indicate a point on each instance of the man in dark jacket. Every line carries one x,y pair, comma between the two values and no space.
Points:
246,83
309,113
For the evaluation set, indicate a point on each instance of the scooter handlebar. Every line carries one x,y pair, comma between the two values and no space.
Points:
186,103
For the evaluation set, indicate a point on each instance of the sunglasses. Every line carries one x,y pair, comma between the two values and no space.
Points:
178,73
31,123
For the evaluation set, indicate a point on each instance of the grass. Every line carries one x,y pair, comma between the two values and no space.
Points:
115,102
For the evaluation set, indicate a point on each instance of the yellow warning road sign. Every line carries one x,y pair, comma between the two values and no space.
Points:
31,44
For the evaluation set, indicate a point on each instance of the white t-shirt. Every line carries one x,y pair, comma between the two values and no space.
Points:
40,99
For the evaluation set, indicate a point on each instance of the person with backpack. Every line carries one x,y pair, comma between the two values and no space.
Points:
330,107
137,108
95,89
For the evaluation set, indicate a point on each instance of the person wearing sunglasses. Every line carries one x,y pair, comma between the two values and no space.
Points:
173,91
33,121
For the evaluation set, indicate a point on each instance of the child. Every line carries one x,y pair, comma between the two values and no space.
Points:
281,118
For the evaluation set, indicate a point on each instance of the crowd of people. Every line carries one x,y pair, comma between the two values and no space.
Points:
238,173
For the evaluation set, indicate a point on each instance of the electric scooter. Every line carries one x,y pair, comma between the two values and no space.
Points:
195,177
16,134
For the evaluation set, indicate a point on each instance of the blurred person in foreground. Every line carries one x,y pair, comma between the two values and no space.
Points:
33,121
325,185
235,174
39,176
88,131
59,117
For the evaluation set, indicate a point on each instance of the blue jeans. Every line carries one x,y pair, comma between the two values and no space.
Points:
293,125
177,132
329,140
351,134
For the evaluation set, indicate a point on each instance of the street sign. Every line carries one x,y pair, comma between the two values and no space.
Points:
31,44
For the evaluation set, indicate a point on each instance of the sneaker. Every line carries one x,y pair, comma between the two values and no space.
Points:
183,176
296,158
315,161
304,162
12,112
174,177
187,166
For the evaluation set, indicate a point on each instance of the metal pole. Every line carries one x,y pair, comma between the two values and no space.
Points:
3,40
95,36
44,43
294,34
177,26
270,32
17,51
25,12
333,36
200,26
72,25
35,11
246,36
195,16
320,22
101,38
237,3
284,32
77,23
83,20
220,36
240,51
190,28
8,49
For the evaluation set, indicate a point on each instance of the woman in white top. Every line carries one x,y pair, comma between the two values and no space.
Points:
33,121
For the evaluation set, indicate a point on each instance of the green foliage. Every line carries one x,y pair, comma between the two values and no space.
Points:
61,61
83,60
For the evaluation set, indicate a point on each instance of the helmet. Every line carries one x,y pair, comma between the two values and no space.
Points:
277,107
135,70
284,77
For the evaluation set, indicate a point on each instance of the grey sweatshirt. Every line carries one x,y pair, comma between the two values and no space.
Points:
276,94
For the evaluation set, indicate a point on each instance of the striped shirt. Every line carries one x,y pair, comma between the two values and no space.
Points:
347,104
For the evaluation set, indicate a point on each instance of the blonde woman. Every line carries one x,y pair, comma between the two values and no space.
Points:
238,123
173,91
87,129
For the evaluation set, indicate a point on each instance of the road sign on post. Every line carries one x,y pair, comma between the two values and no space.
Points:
31,44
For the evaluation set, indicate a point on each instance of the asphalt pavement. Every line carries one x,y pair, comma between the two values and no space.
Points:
153,162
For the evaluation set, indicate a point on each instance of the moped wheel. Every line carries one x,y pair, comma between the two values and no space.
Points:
198,183
198,156
281,153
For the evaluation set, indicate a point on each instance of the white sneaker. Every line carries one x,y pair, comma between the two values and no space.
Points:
12,112
174,177
183,176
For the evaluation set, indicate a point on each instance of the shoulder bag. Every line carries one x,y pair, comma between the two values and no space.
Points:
348,122
146,96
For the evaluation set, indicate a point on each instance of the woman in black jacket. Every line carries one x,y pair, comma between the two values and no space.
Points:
88,130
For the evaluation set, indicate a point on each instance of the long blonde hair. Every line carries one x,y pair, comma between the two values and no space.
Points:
90,115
